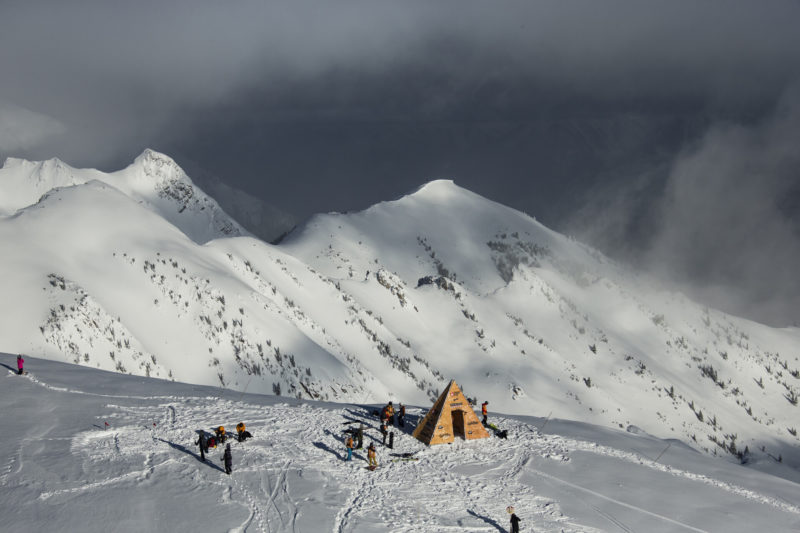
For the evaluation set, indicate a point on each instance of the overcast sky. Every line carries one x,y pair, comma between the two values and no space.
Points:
662,132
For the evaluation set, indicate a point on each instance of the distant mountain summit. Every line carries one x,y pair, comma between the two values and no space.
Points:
153,179
140,272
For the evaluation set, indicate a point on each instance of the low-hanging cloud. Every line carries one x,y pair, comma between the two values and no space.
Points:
21,128
728,224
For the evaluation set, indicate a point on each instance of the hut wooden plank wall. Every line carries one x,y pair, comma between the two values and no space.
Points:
450,416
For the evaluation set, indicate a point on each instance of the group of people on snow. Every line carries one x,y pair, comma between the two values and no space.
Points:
388,415
350,445
218,438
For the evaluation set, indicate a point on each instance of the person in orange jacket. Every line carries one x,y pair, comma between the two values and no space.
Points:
349,445
485,412
390,413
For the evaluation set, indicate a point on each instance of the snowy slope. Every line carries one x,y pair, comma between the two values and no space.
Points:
110,271
63,469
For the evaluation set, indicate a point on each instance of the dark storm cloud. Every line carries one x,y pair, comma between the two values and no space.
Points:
125,71
572,111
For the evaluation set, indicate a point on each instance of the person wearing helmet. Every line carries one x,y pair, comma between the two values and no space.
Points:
220,431
514,519
240,431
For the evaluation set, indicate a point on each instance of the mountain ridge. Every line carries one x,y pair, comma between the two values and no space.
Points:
390,303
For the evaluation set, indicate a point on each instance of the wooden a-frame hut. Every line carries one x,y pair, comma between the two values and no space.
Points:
450,417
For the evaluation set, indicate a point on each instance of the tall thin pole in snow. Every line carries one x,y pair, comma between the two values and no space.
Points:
546,420
662,453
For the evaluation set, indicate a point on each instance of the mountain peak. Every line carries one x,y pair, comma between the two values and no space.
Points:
12,162
18,162
437,190
149,155
158,165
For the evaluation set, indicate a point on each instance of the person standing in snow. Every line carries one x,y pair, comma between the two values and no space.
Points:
20,362
228,460
514,519
360,437
201,441
401,415
372,457
384,431
348,443
485,412
390,413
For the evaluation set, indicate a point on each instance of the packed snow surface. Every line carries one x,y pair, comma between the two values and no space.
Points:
94,451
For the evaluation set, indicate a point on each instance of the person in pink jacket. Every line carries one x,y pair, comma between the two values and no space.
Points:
20,362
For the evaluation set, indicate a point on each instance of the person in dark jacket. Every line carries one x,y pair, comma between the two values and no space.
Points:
20,362
201,441
384,431
360,436
228,460
514,519
401,415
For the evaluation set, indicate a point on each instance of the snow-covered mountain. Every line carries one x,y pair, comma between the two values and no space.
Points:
122,272
153,180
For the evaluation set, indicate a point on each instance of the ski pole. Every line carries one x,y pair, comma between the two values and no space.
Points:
546,420
662,453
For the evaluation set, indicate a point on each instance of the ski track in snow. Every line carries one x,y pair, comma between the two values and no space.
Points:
591,447
406,495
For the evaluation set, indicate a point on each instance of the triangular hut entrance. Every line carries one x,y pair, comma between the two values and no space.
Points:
450,416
